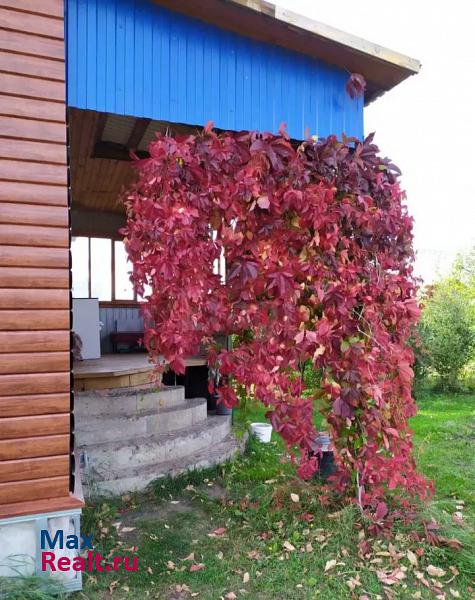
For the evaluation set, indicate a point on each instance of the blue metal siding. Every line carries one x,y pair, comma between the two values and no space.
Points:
133,57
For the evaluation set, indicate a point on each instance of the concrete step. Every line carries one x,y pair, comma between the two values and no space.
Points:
127,401
131,478
121,428
106,457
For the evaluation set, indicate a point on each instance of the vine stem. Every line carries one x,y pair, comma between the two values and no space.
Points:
359,490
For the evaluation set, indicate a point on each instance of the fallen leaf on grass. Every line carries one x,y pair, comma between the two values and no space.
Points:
127,529
245,577
453,543
112,586
392,578
171,565
217,532
353,582
335,515
220,556
411,557
294,497
190,557
149,570
306,517
435,571
181,588
230,596
457,518
308,547
197,567
454,593
330,564
288,546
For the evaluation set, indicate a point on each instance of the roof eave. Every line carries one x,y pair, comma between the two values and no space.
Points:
382,68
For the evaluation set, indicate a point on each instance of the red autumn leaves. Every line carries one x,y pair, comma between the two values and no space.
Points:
318,247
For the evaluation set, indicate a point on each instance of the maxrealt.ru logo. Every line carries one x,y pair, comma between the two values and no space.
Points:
88,560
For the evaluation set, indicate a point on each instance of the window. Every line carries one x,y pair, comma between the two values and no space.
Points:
101,269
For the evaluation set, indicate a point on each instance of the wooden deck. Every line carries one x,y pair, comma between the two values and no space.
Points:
118,371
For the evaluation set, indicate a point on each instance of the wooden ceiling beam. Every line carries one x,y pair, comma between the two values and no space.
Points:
137,133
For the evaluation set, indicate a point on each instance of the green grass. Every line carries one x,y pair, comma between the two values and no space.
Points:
168,529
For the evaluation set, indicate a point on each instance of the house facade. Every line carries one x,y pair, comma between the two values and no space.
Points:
82,83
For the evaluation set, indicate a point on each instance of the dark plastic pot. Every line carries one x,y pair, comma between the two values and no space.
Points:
326,462
326,466
223,410
212,401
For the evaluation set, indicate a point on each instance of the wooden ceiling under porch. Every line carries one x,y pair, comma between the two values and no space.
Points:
100,146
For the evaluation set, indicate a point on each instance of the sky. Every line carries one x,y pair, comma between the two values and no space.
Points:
426,124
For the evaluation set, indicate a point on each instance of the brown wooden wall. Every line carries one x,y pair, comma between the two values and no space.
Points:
35,429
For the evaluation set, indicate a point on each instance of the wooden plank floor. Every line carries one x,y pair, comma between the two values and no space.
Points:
115,365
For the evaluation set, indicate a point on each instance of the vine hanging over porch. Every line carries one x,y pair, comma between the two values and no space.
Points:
318,246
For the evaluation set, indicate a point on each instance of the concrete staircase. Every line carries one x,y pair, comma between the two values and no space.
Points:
128,437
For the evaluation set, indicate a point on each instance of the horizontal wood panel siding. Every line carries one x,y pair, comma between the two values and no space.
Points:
31,87
31,108
24,320
139,58
28,129
37,151
27,22
40,299
27,235
31,447
36,404
32,214
46,383
33,193
17,256
34,468
35,378
15,41
25,277
20,427
34,362
23,64
33,341
33,171
17,491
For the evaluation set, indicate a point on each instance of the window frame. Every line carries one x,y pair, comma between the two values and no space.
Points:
113,301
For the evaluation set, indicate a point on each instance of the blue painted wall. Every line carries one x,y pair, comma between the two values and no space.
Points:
133,57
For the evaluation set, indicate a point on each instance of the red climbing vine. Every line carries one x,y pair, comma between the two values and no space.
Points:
318,247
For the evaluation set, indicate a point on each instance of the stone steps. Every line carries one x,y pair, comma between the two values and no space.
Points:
127,437
127,402
109,460
132,478
125,427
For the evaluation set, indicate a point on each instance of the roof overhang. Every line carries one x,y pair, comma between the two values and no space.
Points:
382,68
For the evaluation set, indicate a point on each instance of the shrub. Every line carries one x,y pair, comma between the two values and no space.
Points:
318,245
447,325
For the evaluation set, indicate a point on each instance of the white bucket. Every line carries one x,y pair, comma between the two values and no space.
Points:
262,431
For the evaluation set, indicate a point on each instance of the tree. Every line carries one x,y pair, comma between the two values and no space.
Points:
318,245
447,325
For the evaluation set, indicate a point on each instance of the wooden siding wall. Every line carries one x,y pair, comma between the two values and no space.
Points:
137,58
35,422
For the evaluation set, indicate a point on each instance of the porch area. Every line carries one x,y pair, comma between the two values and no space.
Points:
130,427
